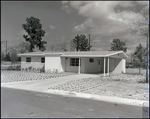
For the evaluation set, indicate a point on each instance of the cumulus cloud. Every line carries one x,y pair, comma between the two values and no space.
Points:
84,26
66,8
52,27
103,21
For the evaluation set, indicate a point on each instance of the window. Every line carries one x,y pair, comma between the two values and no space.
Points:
28,59
74,62
91,60
42,60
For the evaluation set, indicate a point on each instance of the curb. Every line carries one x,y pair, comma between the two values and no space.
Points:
111,99
117,100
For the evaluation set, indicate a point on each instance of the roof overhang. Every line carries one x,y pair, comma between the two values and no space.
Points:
119,54
53,54
82,55
31,55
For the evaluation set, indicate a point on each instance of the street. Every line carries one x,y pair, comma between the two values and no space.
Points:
21,103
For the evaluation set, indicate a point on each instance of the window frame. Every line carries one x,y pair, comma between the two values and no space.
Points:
42,61
27,59
91,60
75,62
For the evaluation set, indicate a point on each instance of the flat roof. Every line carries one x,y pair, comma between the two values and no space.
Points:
76,54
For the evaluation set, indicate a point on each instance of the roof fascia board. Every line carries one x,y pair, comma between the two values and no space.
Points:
117,53
31,54
82,56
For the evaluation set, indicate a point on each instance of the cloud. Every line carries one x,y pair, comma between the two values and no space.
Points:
84,26
52,27
104,22
66,8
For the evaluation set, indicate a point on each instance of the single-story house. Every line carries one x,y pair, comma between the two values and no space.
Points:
79,62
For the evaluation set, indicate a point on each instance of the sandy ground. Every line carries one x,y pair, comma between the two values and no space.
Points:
123,88
130,85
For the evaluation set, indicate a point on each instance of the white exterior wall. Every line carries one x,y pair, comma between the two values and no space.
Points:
123,65
62,65
53,63
35,62
117,65
93,67
69,68
86,66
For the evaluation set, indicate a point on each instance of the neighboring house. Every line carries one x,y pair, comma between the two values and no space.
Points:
79,62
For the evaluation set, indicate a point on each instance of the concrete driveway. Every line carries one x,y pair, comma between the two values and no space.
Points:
39,85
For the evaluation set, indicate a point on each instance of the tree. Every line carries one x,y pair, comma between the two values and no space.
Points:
64,46
138,57
13,55
8,57
118,45
2,56
53,47
33,27
23,47
140,26
80,42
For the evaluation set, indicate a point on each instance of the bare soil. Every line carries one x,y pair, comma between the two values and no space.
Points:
130,85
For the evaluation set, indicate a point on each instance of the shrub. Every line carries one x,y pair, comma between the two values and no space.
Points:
9,68
42,69
18,68
56,71
30,68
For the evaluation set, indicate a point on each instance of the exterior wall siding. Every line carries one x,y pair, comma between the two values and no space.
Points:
35,62
53,63
86,66
123,65
93,67
117,65
69,68
62,64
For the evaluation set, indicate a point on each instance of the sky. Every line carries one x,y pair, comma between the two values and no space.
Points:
63,20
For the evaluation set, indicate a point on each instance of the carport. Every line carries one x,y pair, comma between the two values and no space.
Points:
109,61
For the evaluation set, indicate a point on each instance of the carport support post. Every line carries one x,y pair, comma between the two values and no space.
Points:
79,66
108,67
104,66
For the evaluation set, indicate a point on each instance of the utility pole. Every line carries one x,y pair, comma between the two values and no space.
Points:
89,42
6,47
147,53
131,57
